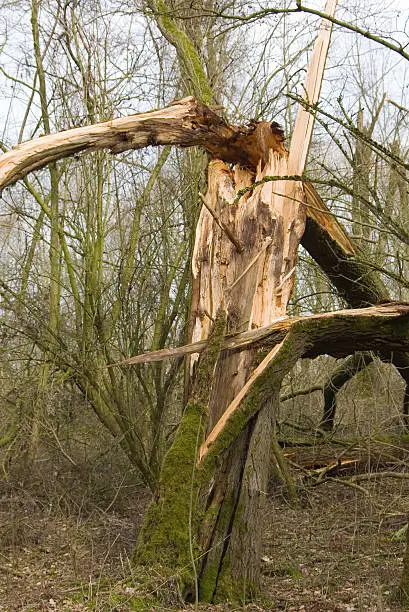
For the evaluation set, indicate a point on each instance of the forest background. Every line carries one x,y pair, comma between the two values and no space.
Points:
96,250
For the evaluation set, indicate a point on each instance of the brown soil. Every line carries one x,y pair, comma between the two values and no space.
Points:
334,552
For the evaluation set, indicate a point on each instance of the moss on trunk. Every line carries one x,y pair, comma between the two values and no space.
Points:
210,571
169,533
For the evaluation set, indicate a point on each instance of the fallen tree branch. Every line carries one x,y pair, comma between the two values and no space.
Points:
352,482
184,123
234,405
363,325
317,211
305,337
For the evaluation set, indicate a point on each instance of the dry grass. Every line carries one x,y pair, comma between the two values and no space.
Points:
334,552
67,532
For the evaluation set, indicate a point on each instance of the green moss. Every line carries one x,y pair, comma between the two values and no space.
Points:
208,359
150,588
165,536
404,438
133,603
169,532
285,570
221,515
187,53
295,573
235,589
232,587
262,389
208,581
217,583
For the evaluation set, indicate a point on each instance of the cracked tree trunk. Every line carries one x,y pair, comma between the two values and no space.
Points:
248,272
253,285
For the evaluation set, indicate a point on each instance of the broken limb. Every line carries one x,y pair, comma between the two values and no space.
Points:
366,329
184,123
305,338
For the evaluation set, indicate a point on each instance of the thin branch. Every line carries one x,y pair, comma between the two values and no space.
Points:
286,396
346,483
255,16
398,106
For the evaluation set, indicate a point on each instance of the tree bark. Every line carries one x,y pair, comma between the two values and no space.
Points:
254,286
354,280
339,377
168,535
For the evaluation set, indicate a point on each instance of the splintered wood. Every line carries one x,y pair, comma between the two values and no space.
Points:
185,123
253,284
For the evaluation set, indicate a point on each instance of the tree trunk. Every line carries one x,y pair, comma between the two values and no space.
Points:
234,521
251,276
339,377
248,272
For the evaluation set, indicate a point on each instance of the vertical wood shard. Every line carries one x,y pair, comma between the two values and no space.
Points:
304,122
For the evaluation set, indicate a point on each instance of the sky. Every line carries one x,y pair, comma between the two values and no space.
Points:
377,67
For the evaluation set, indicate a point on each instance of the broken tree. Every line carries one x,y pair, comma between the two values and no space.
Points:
243,265
205,524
